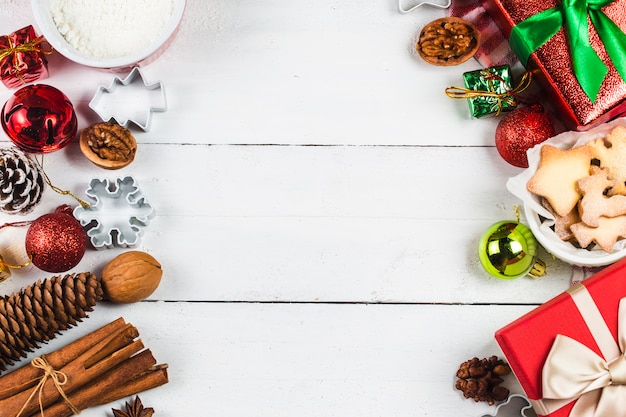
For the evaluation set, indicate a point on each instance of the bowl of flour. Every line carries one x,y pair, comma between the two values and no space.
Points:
111,34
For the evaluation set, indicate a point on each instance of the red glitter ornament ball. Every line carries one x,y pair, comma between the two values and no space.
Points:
56,241
39,118
520,130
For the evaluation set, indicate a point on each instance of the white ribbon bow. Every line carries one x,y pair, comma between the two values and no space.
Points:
573,371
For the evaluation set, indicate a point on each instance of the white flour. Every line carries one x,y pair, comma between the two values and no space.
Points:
111,28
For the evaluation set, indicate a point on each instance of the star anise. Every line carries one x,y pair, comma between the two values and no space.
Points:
135,409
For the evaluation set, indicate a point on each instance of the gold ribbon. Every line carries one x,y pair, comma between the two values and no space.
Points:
5,268
508,97
58,378
31,46
573,371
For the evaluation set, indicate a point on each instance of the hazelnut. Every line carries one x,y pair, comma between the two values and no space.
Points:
130,277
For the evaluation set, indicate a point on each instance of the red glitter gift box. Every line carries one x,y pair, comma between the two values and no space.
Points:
553,62
567,353
22,59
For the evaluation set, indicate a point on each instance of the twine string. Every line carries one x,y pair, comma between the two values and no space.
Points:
83,203
16,224
507,97
58,378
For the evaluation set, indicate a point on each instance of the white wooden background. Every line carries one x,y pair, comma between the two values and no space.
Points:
319,201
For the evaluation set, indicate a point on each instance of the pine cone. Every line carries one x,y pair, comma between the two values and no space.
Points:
41,311
21,182
480,379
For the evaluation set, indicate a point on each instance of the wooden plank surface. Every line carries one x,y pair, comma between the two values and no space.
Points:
318,204
311,359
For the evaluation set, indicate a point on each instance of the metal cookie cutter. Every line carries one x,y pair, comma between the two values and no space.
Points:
117,216
441,4
129,100
515,406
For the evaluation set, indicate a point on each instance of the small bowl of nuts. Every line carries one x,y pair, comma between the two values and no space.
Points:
448,41
108,145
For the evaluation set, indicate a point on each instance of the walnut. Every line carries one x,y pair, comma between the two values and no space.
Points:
108,145
448,41
131,277
480,379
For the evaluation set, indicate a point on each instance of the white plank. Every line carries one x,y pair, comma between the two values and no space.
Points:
291,72
268,223
308,359
303,280
318,181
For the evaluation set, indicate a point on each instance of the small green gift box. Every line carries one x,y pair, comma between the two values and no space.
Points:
488,91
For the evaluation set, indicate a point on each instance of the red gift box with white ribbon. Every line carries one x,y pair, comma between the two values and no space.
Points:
568,353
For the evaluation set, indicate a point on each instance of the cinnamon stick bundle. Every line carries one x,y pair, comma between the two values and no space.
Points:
101,367
27,376
123,381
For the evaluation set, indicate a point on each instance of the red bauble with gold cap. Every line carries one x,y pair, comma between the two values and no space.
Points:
520,130
56,242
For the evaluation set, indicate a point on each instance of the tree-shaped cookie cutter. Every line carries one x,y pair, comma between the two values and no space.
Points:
118,214
129,100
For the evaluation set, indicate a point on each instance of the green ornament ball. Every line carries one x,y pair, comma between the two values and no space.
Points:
508,250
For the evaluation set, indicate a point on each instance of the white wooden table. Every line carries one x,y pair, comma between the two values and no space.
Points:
318,205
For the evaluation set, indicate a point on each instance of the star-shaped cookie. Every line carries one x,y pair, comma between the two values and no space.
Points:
556,177
611,151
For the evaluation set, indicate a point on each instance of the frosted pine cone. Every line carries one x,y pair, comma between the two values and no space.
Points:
41,311
21,182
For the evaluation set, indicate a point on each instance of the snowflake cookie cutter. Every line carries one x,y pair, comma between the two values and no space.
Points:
118,214
129,100
443,5
515,406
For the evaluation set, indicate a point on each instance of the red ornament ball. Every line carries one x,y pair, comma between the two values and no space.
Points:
39,118
520,130
56,241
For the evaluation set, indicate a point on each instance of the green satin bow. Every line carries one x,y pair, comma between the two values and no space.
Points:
530,34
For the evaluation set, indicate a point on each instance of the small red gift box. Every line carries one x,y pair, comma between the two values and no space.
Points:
22,59
565,353
571,75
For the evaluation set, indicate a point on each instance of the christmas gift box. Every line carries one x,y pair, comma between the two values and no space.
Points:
568,354
488,91
575,50
22,58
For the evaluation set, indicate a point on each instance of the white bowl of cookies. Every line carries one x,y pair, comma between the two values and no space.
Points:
574,194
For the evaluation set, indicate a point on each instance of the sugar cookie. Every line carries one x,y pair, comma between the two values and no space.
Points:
605,235
562,224
611,151
557,176
594,203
